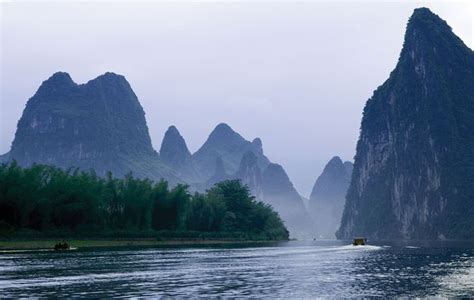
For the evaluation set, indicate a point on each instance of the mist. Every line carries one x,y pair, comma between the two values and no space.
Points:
295,75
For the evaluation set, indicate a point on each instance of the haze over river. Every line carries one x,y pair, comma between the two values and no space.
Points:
286,269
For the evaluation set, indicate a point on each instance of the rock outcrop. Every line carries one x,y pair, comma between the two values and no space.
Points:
250,174
414,165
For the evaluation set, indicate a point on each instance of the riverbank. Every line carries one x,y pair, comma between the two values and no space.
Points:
111,243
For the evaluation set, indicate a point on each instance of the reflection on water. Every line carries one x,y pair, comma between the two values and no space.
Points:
292,269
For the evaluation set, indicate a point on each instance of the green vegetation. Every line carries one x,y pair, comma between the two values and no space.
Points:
45,201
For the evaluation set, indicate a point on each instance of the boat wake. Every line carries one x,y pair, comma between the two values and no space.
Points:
363,247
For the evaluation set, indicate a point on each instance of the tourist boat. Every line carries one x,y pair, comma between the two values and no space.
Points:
62,246
359,241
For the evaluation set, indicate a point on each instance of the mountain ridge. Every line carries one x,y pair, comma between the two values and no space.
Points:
414,152
98,125
226,143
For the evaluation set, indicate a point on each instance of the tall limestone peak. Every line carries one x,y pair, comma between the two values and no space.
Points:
175,154
333,181
230,146
327,199
59,79
414,155
222,138
425,29
56,85
424,21
112,78
223,134
99,125
429,42
174,151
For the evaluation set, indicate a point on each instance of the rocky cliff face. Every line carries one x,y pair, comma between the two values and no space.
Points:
329,196
414,164
99,125
250,174
219,174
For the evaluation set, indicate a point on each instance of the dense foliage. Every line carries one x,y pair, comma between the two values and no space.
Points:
47,199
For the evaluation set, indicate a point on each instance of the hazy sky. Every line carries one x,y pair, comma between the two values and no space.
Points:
296,75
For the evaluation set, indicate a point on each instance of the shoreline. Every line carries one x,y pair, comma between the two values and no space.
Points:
84,243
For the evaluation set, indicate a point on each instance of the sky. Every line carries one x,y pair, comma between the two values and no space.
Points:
295,74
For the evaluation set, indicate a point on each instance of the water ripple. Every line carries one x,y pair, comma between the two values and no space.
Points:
293,269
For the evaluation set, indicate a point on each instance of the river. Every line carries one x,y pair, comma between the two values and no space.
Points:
292,269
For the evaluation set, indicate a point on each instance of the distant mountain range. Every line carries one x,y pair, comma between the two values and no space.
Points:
227,155
414,167
101,126
412,174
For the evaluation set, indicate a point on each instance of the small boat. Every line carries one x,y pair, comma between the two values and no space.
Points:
62,246
359,241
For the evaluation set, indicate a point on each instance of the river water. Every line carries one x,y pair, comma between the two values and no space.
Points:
284,270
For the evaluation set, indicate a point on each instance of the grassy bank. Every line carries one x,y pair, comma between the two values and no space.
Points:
111,243
28,239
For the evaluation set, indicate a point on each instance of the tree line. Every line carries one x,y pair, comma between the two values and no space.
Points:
44,198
